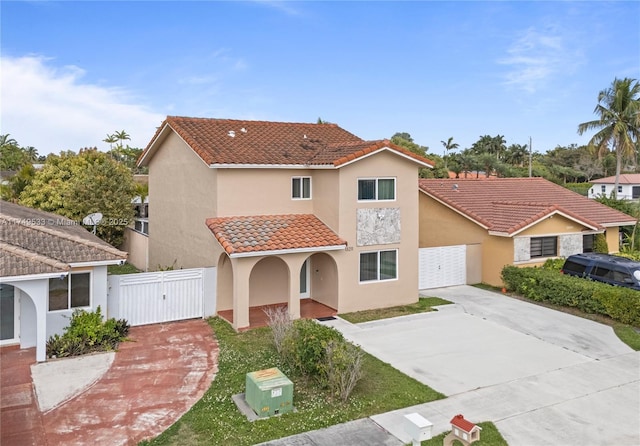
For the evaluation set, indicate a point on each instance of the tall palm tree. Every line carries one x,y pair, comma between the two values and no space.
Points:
618,123
448,145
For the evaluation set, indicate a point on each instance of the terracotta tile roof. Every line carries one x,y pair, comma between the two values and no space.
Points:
508,205
258,233
229,142
34,242
462,423
625,178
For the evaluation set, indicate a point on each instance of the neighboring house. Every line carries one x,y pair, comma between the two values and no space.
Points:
49,266
628,187
285,211
512,221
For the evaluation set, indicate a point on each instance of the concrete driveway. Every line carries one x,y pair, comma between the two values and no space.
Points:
542,376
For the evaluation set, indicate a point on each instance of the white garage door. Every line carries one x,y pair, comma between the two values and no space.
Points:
442,266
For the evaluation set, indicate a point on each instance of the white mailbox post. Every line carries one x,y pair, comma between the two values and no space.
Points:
418,428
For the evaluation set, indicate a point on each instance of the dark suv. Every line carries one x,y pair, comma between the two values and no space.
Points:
614,270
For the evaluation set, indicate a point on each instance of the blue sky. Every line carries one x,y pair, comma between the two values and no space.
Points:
72,72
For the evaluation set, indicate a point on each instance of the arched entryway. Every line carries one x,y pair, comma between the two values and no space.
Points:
322,276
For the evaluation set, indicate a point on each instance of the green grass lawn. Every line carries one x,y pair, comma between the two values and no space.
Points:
489,436
216,420
423,305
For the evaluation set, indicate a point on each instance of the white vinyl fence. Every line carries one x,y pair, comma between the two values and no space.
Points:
163,296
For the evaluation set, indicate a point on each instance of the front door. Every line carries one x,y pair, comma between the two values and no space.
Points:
8,315
304,280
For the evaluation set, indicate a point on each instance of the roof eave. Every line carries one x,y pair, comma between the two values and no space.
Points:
271,166
385,148
551,214
152,147
97,263
287,251
24,277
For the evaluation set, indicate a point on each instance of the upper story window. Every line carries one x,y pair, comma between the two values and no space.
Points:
603,188
71,291
376,189
544,247
301,188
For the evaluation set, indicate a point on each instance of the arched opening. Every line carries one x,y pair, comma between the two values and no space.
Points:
224,284
269,282
323,279
18,324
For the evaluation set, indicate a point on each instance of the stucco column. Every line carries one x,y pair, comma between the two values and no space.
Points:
38,291
294,290
241,272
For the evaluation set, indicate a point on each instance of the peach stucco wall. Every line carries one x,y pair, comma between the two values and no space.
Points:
359,296
182,192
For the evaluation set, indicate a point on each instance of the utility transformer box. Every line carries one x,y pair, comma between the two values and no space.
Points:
269,392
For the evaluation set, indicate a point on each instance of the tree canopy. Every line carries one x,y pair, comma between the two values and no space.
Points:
77,185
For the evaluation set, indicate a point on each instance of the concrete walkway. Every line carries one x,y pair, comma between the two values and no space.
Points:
542,376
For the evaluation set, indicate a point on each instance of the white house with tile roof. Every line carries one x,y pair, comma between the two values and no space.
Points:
285,211
628,187
49,266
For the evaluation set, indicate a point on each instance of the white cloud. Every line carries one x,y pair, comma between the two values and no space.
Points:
51,109
536,57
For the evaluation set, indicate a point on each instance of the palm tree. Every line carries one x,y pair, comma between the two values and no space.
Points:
448,145
618,125
6,141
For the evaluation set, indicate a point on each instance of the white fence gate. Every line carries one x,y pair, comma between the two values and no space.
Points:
442,266
163,296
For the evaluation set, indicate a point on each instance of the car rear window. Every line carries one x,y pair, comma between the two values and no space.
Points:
574,267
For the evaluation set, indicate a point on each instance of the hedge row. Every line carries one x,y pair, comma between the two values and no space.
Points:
549,285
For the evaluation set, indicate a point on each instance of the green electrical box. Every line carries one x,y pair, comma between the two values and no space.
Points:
269,392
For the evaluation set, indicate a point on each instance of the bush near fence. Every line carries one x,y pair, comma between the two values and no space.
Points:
550,286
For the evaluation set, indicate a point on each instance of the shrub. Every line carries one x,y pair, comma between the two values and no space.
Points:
304,346
342,368
547,285
280,322
86,333
600,244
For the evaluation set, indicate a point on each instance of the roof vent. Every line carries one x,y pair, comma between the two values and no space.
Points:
454,187
243,130
304,136
232,133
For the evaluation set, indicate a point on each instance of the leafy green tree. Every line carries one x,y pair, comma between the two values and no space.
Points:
405,140
77,185
618,123
18,182
12,156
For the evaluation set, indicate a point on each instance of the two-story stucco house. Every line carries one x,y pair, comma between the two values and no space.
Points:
628,187
285,211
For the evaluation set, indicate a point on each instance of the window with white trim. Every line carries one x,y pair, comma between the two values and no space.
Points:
301,188
376,266
543,247
71,291
376,189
